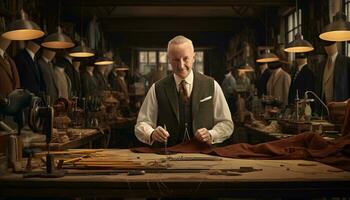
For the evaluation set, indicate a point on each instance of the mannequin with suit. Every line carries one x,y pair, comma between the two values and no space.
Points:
88,81
47,72
8,70
278,83
302,80
100,75
28,70
121,84
265,74
71,68
333,75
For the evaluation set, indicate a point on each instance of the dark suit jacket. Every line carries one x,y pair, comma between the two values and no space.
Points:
122,87
29,73
102,83
88,85
112,80
262,82
341,84
9,79
304,81
47,72
73,75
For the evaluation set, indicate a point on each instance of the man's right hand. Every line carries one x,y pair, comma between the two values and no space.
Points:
160,134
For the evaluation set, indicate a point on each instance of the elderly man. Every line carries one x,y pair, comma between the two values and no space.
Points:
185,105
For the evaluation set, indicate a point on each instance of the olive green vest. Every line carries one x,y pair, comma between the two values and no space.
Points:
201,107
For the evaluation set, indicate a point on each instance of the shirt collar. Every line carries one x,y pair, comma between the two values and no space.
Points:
30,53
334,56
45,59
2,53
70,59
300,67
188,79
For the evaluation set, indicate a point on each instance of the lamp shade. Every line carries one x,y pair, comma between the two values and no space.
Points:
57,40
267,57
23,29
246,68
103,61
338,30
81,51
299,45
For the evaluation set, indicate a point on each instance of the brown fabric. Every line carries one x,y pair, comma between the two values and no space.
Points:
306,146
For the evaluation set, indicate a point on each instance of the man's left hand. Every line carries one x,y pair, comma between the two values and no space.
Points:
203,135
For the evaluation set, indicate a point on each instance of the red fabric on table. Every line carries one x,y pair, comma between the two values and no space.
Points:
305,146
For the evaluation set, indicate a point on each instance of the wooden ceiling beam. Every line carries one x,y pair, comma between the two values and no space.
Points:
179,3
170,24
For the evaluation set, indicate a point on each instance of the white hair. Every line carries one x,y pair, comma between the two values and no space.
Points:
180,39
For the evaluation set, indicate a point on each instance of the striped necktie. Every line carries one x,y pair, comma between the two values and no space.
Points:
183,92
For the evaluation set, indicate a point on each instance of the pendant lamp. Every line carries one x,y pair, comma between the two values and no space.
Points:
57,40
23,29
246,68
267,56
103,61
338,30
81,51
298,45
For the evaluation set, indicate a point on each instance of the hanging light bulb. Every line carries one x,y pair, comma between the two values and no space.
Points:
338,30
81,51
267,57
23,29
299,45
103,61
57,40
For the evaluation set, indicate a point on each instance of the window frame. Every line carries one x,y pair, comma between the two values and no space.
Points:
158,63
346,10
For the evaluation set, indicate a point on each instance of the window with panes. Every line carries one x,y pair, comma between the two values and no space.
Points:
150,59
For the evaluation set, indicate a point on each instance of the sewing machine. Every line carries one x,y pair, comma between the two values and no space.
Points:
40,119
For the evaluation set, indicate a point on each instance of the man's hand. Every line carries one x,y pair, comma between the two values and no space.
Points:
160,134
203,135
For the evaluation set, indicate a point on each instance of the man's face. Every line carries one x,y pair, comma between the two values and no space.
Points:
181,58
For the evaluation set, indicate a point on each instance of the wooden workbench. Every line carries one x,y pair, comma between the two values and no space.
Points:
276,178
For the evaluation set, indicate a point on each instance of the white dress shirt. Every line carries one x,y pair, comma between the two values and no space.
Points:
2,52
147,118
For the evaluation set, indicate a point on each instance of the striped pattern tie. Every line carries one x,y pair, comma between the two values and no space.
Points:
183,92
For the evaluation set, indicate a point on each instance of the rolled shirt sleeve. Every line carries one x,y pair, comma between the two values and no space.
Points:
147,118
223,127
